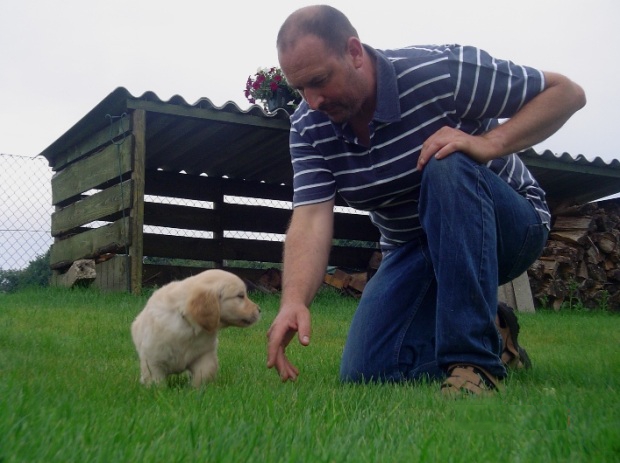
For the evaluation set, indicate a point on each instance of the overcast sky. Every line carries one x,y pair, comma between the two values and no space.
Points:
59,59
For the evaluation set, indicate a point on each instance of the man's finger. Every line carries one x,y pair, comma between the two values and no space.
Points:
279,336
304,331
287,370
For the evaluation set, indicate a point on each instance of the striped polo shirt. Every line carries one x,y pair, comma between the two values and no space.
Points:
420,89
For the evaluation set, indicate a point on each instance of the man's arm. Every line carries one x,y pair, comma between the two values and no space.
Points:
306,253
536,121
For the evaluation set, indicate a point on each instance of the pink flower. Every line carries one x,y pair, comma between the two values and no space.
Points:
263,85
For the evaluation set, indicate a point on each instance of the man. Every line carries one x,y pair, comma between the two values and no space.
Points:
412,136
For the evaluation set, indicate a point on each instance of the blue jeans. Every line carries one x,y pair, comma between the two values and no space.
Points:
433,301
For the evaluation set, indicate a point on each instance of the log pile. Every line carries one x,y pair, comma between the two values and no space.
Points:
581,261
353,283
349,283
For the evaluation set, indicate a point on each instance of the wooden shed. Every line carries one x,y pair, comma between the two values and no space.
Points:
144,186
216,180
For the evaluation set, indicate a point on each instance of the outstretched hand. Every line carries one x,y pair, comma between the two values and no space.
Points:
290,319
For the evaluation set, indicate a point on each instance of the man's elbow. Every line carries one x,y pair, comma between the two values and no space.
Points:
578,96
572,93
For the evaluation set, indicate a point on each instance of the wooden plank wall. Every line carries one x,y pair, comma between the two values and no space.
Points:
104,180
260,217
94,183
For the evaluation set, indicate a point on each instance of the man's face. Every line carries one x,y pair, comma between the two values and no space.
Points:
329,83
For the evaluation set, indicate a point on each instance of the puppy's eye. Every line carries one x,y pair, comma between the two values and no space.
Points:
241,295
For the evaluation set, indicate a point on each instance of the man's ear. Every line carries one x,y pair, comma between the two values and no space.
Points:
355,49
203,307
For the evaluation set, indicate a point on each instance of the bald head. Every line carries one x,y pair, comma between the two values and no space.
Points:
323,21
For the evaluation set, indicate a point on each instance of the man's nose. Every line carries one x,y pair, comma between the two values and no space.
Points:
313,98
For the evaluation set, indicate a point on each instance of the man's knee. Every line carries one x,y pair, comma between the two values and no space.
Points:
450,166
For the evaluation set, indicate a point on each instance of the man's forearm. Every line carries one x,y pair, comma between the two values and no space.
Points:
540,118
306,253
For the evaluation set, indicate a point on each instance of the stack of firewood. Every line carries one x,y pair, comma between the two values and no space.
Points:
581,261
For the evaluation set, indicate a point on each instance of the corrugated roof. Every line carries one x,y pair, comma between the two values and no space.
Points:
202,138
198,138
573,179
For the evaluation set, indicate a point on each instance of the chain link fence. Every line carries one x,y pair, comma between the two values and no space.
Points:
25,219
25,210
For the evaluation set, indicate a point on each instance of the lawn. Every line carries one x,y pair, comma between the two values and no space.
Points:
70,392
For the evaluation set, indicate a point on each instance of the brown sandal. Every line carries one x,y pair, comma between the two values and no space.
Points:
466,379
513,355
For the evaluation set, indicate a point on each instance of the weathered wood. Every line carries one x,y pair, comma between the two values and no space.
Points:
218,230
230,249
255,219
573,223
350,257
350,283
270,281
596,272
580,262
206,188
338,279
613,274
358,282
607,241
549,265
186,140
112,274
569,236
517,294
178,216
88,245
81,273
138,176
355,227
182,247
102,206
114,132
593,255
158,275
92,172
582,273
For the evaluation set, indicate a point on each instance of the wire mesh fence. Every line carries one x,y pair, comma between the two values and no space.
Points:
25,210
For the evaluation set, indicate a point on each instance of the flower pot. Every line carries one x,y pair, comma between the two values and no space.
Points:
279,99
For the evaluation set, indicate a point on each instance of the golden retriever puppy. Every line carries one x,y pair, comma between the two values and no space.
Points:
177,329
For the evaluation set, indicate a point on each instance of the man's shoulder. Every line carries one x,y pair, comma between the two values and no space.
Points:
420,51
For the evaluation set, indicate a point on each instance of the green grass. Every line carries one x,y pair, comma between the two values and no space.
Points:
69,392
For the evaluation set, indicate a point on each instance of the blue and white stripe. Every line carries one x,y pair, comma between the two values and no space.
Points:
420,90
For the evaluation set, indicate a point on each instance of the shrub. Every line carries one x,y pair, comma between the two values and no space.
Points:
37,273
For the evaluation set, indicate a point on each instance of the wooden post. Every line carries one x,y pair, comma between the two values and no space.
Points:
218,231
518,294
138,175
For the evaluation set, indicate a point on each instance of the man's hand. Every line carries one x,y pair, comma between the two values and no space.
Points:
537,120
290,319
448,140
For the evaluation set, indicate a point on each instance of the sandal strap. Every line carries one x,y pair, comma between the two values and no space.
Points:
470,379
513,355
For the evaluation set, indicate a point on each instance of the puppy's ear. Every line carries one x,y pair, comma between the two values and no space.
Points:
204,308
